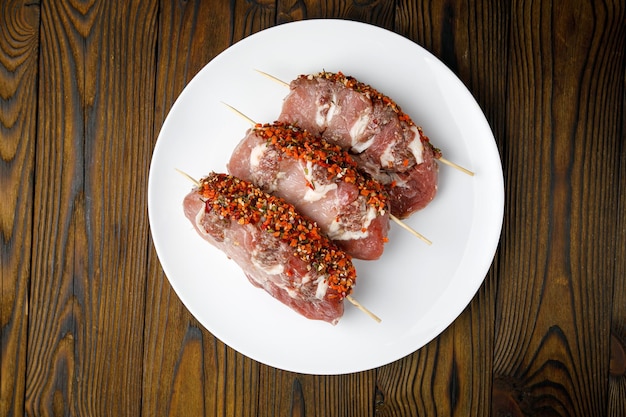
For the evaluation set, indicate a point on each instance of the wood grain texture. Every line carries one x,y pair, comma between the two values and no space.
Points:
617,364
251,16
562,147
89,258
377,12
292,394
19,43
191,33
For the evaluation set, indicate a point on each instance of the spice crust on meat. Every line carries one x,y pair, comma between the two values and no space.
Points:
237,200
302,145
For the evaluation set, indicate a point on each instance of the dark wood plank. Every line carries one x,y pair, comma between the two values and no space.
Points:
617,364
376,12
19,45
86,308
191,33
563,138
292,394
251,16
452,374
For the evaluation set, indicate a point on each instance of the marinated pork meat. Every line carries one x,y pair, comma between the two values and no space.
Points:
383,140
321,180
278,249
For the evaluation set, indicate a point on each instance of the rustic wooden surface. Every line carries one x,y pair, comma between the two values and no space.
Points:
89,325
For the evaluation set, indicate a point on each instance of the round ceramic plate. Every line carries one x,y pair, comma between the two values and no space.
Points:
416,289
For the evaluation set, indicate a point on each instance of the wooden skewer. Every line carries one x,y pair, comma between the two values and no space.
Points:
443,160
271,77
456,166
189,177
363,309
391,216
352,300
240,114
409,229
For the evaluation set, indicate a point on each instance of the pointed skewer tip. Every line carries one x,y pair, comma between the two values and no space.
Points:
240,114
456,166
189,177
409,229
271,77
363,309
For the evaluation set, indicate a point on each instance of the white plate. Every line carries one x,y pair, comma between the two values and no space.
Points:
417,290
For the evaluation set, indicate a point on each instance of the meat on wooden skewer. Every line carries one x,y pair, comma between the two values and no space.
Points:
383,139
278,249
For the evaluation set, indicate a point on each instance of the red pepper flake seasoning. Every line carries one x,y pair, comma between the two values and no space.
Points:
240,201
302,145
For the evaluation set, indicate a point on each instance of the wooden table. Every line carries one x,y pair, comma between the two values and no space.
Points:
89,323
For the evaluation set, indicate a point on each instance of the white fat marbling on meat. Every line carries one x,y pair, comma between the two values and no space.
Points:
273,270
399,182
319,190
387,158
256,154
322,287
416,147
337,232
357,129
330,108
293,289
333,109
199,218
362,146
